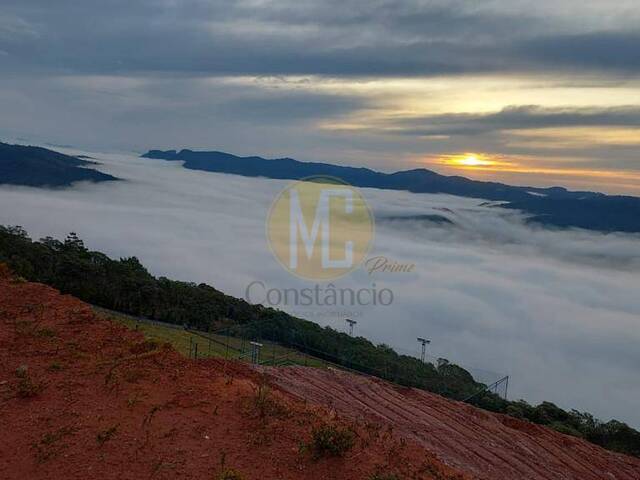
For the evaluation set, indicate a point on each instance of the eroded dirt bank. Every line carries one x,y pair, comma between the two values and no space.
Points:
487,445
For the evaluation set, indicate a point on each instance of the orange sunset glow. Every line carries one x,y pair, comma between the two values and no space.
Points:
471,160
531,170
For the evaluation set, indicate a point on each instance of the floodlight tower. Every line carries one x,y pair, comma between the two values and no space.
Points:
255,351
351,324
424,343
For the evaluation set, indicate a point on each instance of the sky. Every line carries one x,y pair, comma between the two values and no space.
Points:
542,94
556,310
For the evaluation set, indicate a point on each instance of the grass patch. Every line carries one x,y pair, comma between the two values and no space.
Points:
220,346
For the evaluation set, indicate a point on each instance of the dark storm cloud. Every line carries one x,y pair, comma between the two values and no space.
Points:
293,107
519,118
354,37
600,50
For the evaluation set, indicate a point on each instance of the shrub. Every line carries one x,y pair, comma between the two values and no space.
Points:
264,405
331,441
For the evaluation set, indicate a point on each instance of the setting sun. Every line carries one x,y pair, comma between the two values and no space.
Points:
469,160
473,161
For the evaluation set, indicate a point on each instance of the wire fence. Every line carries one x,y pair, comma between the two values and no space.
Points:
251,343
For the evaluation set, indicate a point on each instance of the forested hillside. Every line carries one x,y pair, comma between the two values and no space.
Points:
41,167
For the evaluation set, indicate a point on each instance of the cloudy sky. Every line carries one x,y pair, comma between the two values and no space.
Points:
556,310
541,93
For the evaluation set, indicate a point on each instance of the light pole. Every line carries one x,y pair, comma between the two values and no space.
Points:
351,324
424,343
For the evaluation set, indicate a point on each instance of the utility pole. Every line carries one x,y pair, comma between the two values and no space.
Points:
351,324
424,343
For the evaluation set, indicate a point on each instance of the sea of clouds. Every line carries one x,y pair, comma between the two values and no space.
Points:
558,311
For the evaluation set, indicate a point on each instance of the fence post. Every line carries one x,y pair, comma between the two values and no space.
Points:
195,354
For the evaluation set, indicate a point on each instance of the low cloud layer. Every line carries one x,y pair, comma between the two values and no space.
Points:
558,311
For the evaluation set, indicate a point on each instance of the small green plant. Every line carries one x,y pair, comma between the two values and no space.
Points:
262,400
230,474
383,476
55,367
28,388
106,435
330,441
50,444
46,333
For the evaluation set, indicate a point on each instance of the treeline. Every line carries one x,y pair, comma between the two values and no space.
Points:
126,286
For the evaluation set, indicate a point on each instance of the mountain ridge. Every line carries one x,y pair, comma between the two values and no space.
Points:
32,166
202,160
553,206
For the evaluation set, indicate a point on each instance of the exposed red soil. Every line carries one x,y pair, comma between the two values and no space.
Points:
487,445
83,397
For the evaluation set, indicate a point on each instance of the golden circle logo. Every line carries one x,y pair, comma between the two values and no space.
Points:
320,228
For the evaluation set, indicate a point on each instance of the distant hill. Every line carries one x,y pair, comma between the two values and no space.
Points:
555,206
40,167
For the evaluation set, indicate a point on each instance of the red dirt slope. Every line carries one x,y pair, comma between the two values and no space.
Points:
488,445
84,398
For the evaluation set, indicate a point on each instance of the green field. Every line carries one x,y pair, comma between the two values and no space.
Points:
215,345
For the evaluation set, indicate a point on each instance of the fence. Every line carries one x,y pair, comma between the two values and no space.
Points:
251,343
